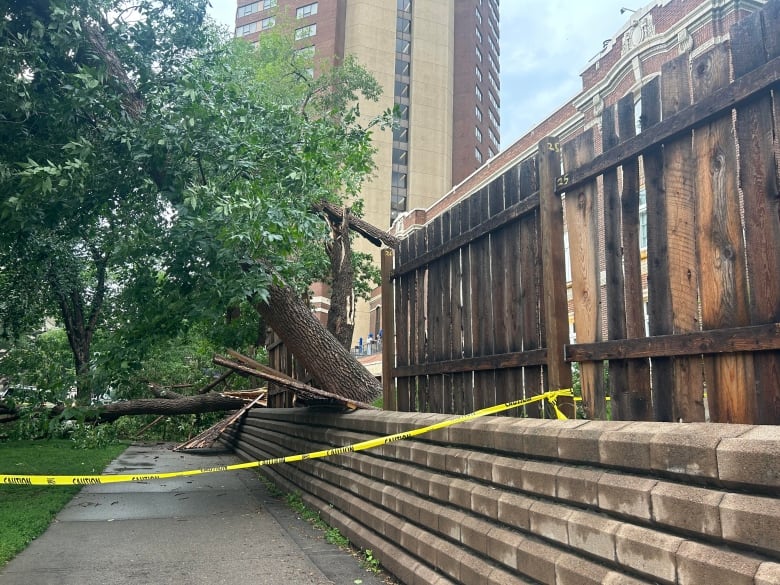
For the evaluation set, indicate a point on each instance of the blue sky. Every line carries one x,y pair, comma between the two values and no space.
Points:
545,45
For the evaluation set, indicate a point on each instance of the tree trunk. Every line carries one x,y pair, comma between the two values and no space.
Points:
329,362
169,407
342,297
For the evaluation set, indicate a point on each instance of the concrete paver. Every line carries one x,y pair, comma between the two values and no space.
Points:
213,528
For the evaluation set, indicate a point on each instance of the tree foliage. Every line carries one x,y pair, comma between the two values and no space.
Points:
155,173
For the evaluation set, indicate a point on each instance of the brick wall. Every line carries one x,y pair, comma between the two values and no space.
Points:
510,501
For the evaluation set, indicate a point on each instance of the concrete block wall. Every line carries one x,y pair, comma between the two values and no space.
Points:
507,501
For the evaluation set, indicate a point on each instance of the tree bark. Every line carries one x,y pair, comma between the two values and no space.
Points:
169,407
331,364
342,297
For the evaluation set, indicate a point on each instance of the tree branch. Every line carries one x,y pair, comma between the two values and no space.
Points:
369,231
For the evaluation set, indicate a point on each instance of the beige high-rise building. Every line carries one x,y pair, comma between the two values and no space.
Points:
436,60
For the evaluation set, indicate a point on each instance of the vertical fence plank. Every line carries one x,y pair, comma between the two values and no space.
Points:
420,389
759,181
468,305
434,321
556,314
638,403
456,298
404,328
658,287
613,259
724,300
446,329
582,222
389,393
513,312
529,287
500,270
482,313
688,388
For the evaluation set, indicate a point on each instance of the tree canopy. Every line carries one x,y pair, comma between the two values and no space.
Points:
155,173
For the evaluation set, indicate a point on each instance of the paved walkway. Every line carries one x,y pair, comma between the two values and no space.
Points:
204,529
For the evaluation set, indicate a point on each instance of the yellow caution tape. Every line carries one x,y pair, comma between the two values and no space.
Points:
551,397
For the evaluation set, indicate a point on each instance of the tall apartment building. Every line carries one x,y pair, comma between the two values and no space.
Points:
437,62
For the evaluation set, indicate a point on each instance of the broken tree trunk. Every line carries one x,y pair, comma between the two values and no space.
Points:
170,407
331,364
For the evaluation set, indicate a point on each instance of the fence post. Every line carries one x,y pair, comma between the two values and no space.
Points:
388,332
556,313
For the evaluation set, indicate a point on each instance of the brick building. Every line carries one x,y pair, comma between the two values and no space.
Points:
652,36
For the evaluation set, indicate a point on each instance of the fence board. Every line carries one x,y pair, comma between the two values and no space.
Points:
613,257
404,288
389,392
456,299
500,259
724,300
484,382
688,384
555,323
445,330
759,182
637,402
582,221
434,321
467,304
420,384
658,289
529,287
514,337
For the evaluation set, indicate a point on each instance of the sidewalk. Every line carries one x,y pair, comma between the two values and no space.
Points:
217,528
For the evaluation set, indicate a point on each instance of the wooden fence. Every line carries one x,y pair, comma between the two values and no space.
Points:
479,294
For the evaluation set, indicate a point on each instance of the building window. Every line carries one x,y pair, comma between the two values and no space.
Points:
402,67
478,113
493,45
478,155
493,62
493,81
493,137
268,4
479,35
478,133
305,51
400,156
493,99
267,23
248,9
491,154
305,32
308,10
247,29
404,26
493,118
399,180
478,93
479,54
479,16
403,47
404,5
403,112
478,73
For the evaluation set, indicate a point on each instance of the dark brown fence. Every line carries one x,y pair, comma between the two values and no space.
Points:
480,293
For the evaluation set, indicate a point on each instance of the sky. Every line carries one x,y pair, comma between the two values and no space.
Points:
545,45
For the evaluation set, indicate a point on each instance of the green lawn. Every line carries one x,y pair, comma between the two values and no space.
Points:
26,511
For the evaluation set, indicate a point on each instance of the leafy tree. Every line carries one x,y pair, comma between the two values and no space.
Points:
155,176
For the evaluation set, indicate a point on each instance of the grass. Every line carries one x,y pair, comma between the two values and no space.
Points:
26,511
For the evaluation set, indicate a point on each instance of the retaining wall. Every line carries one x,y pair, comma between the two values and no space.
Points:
506,501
